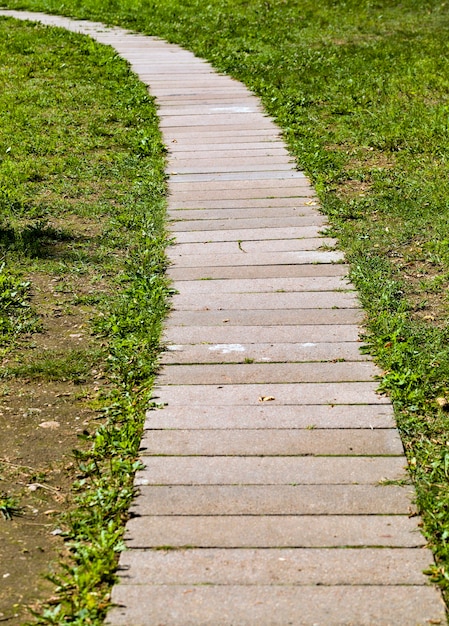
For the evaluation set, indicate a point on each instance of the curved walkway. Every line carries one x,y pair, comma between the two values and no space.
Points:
267,461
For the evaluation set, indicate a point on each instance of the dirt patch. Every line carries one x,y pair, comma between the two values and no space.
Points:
40,424
48,390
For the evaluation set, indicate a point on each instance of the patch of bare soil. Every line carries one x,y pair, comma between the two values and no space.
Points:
40,423
43,411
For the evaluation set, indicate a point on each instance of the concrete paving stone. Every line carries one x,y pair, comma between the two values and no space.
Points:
293,184
232,373
226,101
301,213
269,271
282,175
219,134
268,416
255,234
195,178
194,196
227,337
218,121
264,246
183,167
254,258
263,127
271,442
214,300
211,119
269,317
246,154
265,285
233,146
274,500
296,393
180,166
267,301
187,225
227,140
289,470
235,189
272,531
262,353
307,205
276,606
245,105
297,566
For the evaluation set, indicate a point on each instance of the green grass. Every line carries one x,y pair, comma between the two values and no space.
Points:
361,91
82,205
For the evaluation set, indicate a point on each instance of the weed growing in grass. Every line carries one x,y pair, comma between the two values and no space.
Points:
9,506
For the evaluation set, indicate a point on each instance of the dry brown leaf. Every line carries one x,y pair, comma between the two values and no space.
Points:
266,398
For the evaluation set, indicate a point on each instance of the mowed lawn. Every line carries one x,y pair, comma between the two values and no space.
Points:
361,91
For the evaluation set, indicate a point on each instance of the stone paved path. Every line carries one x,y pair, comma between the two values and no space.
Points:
262,499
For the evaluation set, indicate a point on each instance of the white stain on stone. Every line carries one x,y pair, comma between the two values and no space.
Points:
174,348
308,345
227,348
233,109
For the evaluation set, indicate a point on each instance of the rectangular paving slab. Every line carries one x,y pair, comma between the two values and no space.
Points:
180,274
274,500
275,393
233,335
268,606
280,470
262,352
264,301
249,247
267,415
239,442
269,317
255,234
283,531
228,374
287,566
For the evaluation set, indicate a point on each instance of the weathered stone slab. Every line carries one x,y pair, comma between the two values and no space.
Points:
269,442
262,353
268,416
250,235
227,191
271,271
180,167
265,285
274,500
307,205
262,245
185,225
236,373
297,394
297,566
211,119
265,301
283,531
270,470
276,606
277,317
227,336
